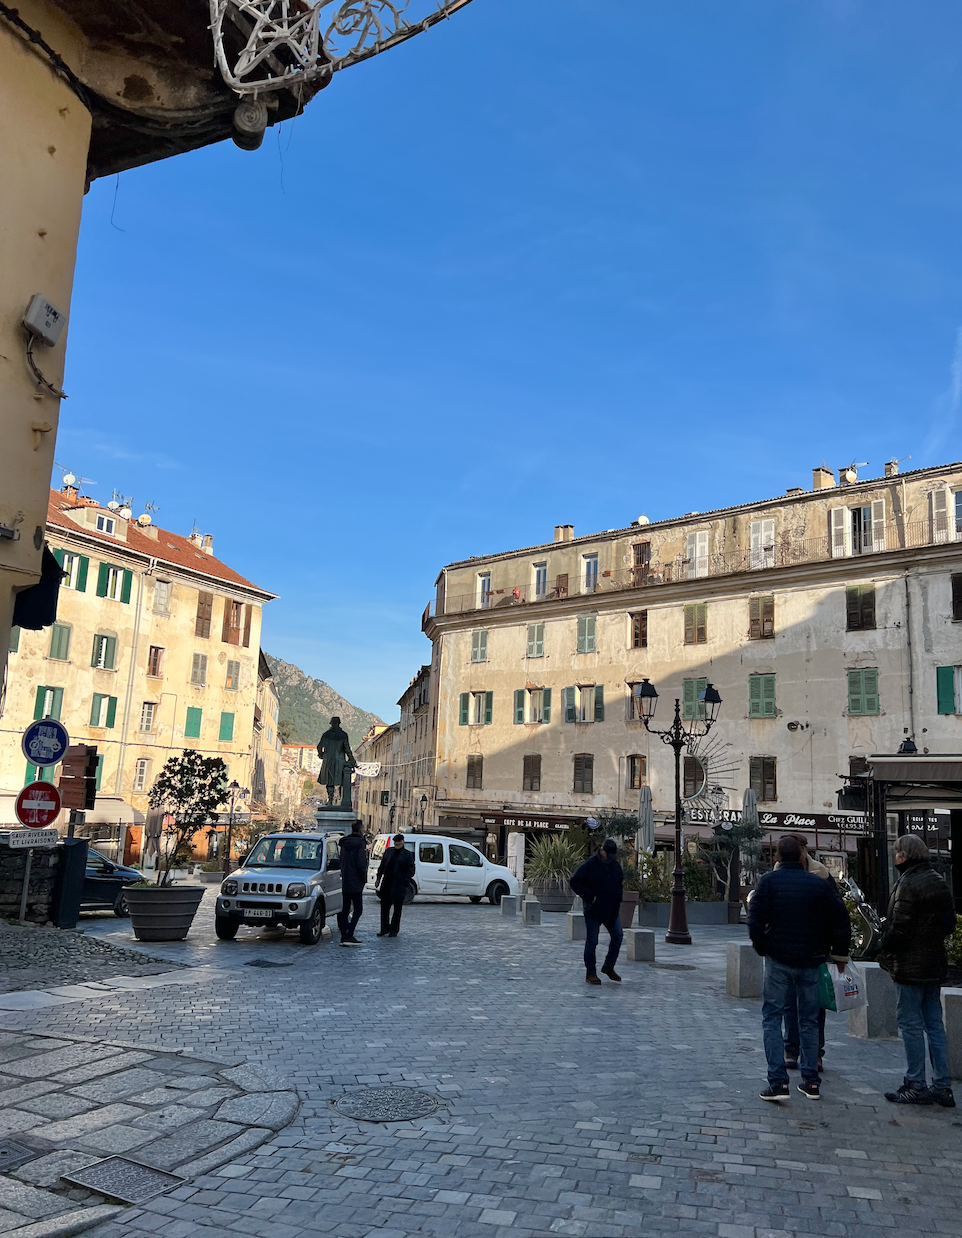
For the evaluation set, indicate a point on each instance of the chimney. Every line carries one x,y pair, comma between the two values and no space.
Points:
822,478
70,493
195,539
208,544
793,490
891,468
564,532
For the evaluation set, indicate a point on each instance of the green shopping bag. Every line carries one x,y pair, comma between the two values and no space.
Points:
826,989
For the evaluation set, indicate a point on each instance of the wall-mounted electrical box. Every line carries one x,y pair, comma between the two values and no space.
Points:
44,320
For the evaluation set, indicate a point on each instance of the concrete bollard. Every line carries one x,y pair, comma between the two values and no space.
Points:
530,911
641,945
952,1015
575,926
509,905
744,970
876,1021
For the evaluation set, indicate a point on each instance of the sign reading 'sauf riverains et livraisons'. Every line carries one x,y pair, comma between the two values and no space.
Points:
20,839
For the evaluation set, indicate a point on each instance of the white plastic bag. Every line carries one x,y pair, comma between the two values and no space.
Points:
849,987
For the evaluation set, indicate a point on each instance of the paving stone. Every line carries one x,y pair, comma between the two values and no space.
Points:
93,1070
45,1065
47,1170
187,1143
117,1140
170,1117
28,1201
56,1105
257,1078
273,1109
119,1086
94,1119
201,1099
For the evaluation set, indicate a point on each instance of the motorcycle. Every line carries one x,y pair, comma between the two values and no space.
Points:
869,927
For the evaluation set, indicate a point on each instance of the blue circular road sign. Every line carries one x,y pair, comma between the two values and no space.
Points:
45,741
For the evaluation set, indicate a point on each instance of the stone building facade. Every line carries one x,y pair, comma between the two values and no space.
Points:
829,620
155,649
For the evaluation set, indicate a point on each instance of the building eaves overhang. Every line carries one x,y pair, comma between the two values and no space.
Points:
637,530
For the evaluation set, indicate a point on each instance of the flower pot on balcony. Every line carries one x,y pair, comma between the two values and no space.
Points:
163,913
554,894
629,902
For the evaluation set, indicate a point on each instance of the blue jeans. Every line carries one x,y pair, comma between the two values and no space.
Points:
919,1013
592,929
787,987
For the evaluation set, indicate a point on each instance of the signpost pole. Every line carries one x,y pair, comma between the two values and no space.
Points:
26,883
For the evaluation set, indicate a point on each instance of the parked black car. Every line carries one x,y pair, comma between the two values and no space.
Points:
104,883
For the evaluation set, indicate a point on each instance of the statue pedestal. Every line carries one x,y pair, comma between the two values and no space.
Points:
329,819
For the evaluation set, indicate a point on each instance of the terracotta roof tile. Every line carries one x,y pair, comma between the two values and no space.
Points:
167,548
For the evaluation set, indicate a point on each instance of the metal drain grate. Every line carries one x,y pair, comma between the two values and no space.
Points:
13,1154
128,1181
386,1105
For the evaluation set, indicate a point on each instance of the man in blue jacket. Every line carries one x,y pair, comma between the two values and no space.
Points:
598,882
796,922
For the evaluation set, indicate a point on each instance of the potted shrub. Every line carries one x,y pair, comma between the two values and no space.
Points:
630,895
190,789
551,861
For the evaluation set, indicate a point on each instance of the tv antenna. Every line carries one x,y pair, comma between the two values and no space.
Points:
69,478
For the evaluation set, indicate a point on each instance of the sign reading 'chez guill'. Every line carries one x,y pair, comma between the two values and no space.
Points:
848,822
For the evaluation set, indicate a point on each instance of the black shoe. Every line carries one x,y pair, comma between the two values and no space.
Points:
791,1063
943,1097
351,941
812,1090
776,1091
910,1094
591,978
345,942
392,934
383,933
611,974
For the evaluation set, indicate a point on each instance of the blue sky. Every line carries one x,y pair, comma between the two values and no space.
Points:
555,261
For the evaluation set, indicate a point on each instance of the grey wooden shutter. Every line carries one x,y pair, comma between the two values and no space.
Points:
582,635
840,532
754,618
768,616
701,623
488,707
689,625
570,709
878,524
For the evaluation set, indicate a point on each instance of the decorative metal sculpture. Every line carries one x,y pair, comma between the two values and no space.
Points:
286,43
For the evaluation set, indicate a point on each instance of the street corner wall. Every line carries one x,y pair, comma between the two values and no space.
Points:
40,891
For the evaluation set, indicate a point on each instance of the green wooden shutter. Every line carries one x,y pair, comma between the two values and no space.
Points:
94,650
125,587
31,774
57,707
755,696
58,555
701,623
689,698
853,608
95,709
570,710
14,639
100,770
519,705
192,724
754,618
870,689
465,707
82,574
868,607
111,710
582,635
689,625
855,695
546,705
102,580
38,703
768,696
483,646
488,707
590,633
226,727
945,688
599,702
110,658
59,642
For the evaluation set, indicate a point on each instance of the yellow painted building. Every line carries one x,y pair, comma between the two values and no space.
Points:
155,649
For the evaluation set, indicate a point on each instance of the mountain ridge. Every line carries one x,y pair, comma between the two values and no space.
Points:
308,704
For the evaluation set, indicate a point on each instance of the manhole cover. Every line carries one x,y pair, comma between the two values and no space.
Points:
125,1180
673,966
13,1153
386,1105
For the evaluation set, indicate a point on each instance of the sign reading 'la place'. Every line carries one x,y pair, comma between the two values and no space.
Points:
849,822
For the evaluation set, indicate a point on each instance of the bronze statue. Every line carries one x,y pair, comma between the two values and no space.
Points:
337,762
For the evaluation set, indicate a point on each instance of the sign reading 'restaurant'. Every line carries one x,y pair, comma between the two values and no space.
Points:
854,822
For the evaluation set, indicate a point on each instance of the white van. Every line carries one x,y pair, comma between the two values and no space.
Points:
447,866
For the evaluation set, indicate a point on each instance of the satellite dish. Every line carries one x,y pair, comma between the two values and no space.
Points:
144,520
642,519
851,476
69,479
125,513
113,505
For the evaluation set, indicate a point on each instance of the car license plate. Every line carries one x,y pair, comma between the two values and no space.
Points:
256,913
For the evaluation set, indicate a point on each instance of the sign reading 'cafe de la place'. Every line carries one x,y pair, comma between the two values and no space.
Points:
848,822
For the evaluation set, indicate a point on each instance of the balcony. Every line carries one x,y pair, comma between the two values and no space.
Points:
786,552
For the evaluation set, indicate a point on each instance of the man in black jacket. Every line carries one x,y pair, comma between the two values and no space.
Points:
598,882
353,851
921,914
394,874
795,920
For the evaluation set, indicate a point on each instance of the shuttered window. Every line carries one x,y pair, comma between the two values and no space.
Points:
691,690
14,643
696,623
226,732
639,629
948,680
233,622
75,568
477,708
863,695
561,585
762,778
636,771
104,652
155,661
641,554
693,778
103,710
762,544
761,696
761,617
696,554
198,670
475,773
232,679
479,646
162,592
519,706
570,704
531,774
205,609
248,619
464,716
535,648
114,583
48,702
192,722
860,608
584,773
957,598
586,633
59,642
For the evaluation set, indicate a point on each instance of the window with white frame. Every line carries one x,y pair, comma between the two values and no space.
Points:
696,554
113,589
857,530
762,543
637,768
147,715
106,524
540,582
479,645
141,773
476,708
484,590
532,705
584,703
535,645
71,571
589,573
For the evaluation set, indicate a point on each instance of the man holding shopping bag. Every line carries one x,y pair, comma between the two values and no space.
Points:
921,914
796,922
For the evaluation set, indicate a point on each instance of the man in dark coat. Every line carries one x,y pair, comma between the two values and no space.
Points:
796,921
394,874
921,914
353,880
598,883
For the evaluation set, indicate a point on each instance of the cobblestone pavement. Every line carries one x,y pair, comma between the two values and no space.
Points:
33,956
620,1110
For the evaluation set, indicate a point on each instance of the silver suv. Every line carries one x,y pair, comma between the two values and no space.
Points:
287,881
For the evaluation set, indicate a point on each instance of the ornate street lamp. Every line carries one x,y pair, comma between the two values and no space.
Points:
680,736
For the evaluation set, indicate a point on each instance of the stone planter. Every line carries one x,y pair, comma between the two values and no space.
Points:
163,913
629,901
553,895
655,915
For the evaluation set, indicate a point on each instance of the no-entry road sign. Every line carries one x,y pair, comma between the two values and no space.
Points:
38,805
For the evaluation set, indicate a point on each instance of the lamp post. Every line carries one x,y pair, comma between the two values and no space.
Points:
236,792
680,736
424,804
